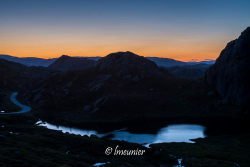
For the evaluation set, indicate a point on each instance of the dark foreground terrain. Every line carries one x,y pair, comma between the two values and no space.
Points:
24,144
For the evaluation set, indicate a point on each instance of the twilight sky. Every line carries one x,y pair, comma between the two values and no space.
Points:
179,29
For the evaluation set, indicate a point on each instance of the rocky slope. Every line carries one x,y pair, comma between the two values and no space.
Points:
230,74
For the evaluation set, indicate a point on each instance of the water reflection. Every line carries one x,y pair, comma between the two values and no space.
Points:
69,130
170,133
13,99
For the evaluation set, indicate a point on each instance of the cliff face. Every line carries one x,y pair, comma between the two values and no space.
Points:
230,75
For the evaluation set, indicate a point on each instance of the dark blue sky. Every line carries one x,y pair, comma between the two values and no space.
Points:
179,29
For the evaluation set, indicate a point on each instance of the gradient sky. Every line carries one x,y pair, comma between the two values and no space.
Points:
179,29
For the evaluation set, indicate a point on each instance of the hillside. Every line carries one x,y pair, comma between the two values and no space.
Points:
67,63
15,76
122,86
28,61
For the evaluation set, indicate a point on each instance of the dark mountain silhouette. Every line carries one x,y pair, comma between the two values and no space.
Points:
12,74
110,75
122,85
206,61
189,71
230,74
166,62
29,61
15,76
181,69
128,65
67,63
192,69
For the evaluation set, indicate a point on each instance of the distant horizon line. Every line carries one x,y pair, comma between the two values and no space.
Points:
191,60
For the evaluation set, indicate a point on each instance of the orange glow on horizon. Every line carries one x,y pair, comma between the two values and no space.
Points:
184,46
183,49
182,54
175,56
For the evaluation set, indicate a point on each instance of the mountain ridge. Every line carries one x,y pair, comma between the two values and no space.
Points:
160,61
67,63
192,69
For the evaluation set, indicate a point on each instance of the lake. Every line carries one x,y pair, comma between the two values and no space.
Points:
167,134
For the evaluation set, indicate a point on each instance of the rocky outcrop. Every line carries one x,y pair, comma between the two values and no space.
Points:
230,74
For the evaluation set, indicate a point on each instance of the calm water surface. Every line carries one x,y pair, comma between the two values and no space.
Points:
168,134
13,99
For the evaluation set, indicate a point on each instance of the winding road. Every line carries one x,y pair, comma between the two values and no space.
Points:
24,108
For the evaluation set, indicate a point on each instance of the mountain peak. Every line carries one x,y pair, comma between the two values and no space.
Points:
122,54
128,64
64,56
